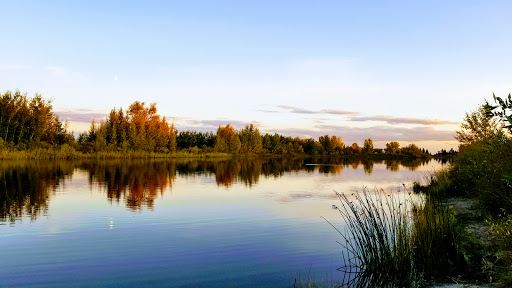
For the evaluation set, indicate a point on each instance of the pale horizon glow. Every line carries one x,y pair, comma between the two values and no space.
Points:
390,71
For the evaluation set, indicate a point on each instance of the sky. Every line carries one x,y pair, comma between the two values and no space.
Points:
404,71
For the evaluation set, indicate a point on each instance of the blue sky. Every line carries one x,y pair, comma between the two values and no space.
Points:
389,70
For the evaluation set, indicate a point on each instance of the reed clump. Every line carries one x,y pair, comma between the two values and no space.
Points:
397,240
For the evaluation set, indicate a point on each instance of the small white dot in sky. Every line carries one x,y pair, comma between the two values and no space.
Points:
116,78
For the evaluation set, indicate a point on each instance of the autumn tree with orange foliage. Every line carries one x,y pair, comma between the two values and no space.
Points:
227,140
140,128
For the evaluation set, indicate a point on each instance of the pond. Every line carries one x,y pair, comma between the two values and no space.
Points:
181,223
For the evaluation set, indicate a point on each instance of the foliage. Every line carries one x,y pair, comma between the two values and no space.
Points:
368,146
26,121
498,263
250,139
278,144
392,147
355,149
227,140
412,150
477,127
187,139
481,171
506,110
140,129
332,145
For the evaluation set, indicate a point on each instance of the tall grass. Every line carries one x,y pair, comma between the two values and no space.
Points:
437,240
396,240
67,152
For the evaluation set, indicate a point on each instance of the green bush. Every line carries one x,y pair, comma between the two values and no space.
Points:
483,170
498,262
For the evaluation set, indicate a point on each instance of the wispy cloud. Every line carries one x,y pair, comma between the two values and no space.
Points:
268,111
376,133
347,133
379,118
338,112
235,123
183,124
292,109
402,120
298,110
80,115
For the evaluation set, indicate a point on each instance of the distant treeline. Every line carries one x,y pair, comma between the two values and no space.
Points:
29,122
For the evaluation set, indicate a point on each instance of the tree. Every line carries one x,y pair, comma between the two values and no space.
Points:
392,147
141,128
412,150
332,145
477,126
250,139
311,146
227,140
368,146
355,148
29,120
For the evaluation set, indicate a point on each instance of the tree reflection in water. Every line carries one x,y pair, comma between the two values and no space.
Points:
27,186
137,182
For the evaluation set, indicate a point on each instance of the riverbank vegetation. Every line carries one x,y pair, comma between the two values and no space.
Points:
460,232
30,129
398,240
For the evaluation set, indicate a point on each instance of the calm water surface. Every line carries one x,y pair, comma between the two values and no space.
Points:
223,223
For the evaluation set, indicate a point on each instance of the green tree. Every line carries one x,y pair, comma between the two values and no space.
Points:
267,143
368,146
412,150
478,126
30,120
332,145
250,139
392,148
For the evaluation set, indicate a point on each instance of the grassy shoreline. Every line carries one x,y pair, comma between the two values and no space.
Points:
67,152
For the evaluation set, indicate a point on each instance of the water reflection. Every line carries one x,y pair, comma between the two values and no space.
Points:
137,182
27,186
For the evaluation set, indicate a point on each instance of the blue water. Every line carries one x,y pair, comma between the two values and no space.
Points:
178,224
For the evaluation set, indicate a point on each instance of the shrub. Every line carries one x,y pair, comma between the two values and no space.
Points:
483,170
